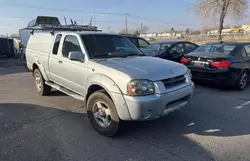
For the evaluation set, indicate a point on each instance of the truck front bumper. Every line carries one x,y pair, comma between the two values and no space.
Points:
155,106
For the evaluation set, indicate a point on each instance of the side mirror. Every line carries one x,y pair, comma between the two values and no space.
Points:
76,56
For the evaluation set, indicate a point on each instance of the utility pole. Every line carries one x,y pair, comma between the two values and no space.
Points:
126,23
141,28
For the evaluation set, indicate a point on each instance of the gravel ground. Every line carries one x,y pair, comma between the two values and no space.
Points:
215,126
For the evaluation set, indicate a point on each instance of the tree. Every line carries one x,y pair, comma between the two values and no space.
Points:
220,9
140,30
172,30
136,32
187,31
144,29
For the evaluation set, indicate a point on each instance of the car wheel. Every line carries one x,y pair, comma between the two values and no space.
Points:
41,88
102,114
242,81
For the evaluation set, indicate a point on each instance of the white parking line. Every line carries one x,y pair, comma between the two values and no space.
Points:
241,106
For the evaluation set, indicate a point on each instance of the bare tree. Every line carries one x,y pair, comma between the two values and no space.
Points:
143,29
220,9
172,30
137,31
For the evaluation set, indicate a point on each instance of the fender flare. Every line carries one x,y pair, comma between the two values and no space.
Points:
41,68
113,90
104,81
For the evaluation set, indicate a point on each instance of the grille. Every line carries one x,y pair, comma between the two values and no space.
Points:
174,81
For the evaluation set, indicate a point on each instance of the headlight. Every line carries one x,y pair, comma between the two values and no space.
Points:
140,88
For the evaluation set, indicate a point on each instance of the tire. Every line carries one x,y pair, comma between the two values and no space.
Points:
102,114
41,88
242,81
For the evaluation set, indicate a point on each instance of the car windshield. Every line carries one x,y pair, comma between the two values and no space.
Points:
109,46
219,48
156,48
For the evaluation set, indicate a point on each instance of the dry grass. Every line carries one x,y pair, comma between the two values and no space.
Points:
204,39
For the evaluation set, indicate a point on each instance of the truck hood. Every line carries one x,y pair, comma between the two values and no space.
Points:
150,68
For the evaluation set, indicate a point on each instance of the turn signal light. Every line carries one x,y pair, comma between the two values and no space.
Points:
221,64
184,60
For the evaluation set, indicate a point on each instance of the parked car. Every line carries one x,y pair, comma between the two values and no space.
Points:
171,50
227,63
110,74
138,41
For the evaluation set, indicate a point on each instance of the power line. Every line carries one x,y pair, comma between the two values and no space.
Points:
81,20
158,21
56,9
11,17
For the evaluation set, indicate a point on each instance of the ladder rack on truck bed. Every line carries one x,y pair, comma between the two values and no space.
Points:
50,24
64,28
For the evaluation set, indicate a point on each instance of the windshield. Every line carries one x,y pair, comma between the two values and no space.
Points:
156,48
108,46
219,48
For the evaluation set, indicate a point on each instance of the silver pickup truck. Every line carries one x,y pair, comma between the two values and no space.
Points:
112,76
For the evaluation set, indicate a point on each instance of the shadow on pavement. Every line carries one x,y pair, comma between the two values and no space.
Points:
216,86
57,93
12,66
30,131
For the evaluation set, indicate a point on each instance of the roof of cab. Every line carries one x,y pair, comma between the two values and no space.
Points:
94,33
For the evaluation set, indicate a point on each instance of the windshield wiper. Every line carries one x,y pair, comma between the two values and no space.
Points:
134,54
123,54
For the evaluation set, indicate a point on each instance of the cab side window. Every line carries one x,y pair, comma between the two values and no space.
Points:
70,43
56,44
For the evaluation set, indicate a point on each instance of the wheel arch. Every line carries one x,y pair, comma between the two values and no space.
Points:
38,65
102,82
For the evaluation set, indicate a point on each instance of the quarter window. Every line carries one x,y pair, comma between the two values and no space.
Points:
70,43
190,47
247,49
142,43
56,44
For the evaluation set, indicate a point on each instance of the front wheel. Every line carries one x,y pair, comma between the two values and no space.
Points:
242,81
41,88
102,114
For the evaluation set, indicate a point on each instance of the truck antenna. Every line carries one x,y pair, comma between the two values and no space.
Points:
65,21
90,23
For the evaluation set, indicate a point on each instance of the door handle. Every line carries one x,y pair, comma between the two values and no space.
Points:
59,61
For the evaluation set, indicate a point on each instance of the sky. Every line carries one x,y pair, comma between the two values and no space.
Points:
159,15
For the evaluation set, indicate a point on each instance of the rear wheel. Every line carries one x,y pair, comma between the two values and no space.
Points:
242,81
102,114
41,88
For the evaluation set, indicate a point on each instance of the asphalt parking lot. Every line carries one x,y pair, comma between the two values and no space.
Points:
215,126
